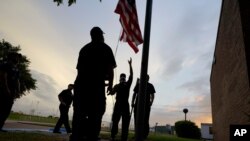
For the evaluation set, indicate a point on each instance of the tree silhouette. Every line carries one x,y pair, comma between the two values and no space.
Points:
70,2
185,111
26,81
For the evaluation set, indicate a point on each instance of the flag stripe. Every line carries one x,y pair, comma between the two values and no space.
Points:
129,21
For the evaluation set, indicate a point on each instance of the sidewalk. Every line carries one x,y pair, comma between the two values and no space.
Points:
11,125
24,125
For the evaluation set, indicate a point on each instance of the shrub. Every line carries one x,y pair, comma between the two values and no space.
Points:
187,129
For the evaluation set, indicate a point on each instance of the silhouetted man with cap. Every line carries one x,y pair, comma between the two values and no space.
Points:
121,108
95,66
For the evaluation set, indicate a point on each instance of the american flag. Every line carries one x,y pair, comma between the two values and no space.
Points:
129,20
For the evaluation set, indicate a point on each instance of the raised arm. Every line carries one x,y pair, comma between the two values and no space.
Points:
130,67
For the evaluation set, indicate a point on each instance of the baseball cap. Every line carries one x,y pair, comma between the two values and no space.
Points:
96,31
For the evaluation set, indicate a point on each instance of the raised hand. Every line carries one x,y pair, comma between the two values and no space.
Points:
130,61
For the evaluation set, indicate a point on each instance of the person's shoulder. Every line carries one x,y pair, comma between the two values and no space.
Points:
108,50
116,85
63,91
150,84
136,88
151,87
86,46
106,46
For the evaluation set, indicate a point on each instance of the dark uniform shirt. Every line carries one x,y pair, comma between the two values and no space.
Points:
150,91
66,96
94,61
122,91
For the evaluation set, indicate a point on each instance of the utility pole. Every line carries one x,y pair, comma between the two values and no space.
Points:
139,131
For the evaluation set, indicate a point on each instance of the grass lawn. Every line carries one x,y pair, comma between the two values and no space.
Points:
32,136
33,118
151,137
161,137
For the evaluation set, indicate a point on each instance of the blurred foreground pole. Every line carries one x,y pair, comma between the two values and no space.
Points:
139,131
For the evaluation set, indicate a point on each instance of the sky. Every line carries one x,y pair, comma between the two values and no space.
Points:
182,43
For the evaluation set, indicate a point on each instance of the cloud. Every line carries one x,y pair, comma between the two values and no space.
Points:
172,65
181,59
46,85
199,111
199,92
196,87
193,95
186,35
43,100
182,40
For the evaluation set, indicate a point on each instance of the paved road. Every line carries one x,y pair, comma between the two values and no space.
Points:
32,127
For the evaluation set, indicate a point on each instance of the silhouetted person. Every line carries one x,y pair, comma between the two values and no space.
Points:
95,65
150,94
121,108
9,85
65,98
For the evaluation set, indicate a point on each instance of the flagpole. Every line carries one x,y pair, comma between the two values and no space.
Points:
140,125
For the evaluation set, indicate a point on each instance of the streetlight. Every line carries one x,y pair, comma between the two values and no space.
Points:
185,111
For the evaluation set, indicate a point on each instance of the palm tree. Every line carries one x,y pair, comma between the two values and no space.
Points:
185,111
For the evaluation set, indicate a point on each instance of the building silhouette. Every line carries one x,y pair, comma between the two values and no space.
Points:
230,74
